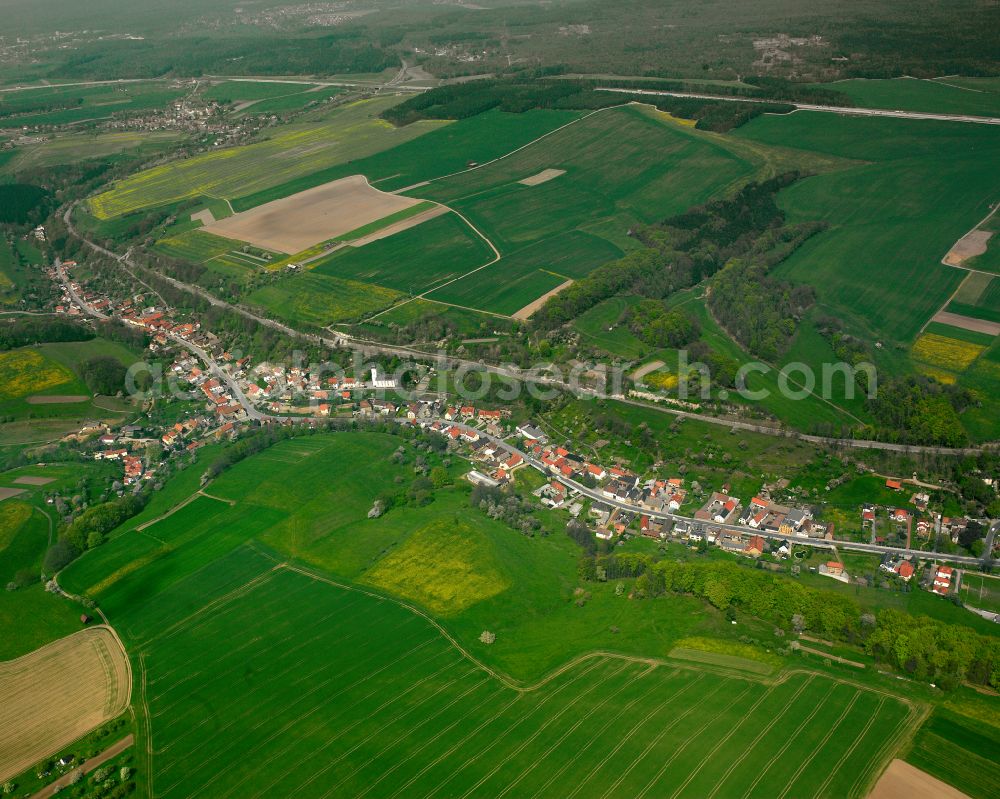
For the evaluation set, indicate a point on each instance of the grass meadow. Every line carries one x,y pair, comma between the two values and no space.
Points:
29,616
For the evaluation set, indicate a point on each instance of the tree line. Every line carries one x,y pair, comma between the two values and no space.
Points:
924,648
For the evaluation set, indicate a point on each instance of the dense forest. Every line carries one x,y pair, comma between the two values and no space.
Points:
351,49
23,204
517,95
40,329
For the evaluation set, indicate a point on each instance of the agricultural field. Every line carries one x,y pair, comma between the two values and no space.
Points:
989,261
81,103
413,260
27,372
55,694
607,172
29,616
942,96
294,151
319,300
310,217
922,187
411,715
961,750
74,147
439,151
949,348
265,97
978,297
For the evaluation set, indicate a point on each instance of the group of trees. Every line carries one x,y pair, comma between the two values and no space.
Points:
104,374
652,322
527,92
927,649
23,204
919,410
23,331
512,510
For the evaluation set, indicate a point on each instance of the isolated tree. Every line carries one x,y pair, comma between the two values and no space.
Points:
798,623
487,637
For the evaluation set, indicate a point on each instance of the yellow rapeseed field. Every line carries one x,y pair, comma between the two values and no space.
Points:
948,353
24,372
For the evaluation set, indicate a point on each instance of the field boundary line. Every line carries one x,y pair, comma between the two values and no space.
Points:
891,746
515,685
659,737
179,506
826,738
666,765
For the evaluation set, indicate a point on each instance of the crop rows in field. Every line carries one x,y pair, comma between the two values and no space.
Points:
321,691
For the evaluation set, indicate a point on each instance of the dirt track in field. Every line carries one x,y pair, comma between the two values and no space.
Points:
29,480
967,323
56,399
531,307
903,781
54,695
969,246
295,223
542,177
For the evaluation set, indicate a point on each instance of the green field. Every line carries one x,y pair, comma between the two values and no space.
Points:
962,751
528,273
408,714
923,186
29,616
98,102
337,137
910,94
268,97
441,151
989,261
413,260
319,300
71,148
622,167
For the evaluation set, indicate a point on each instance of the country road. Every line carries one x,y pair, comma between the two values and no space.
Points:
598,495
591,493
373,349
829,109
